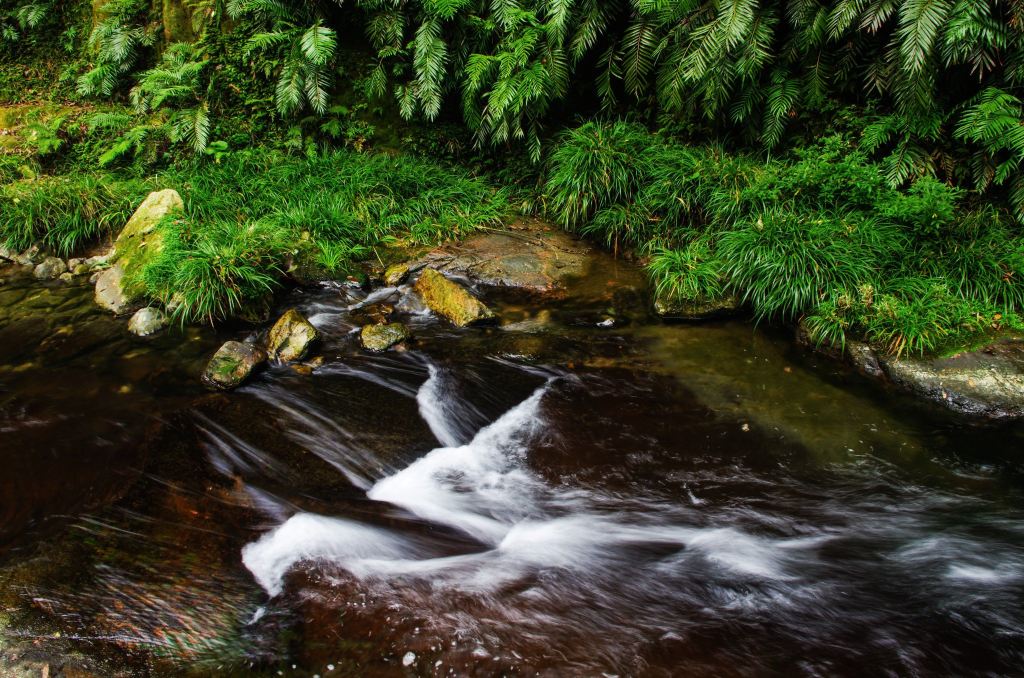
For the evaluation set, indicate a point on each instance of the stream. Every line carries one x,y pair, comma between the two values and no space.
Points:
551,496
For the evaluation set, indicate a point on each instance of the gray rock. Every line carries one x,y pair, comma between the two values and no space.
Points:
110,293
988,382
379,338
232,364
147,321
50,268
291,337
30,257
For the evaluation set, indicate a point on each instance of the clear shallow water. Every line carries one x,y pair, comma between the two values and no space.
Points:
551,498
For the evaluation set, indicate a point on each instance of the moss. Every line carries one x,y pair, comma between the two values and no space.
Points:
451,300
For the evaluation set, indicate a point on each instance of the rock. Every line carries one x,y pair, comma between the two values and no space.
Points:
380,338
531,255
74,262
232,364
291,337
30,257
99,261
66,278
50,268
988,382
110,293
147,321
81,269
373,314
700,309
138,243
7,254
451,300
396,274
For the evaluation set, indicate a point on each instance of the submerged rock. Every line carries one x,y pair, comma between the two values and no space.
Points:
698,309
232,364
451,300
291,337
50,268
380,338
396,274
147,321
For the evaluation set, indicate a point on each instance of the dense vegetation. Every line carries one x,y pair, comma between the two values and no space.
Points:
856,163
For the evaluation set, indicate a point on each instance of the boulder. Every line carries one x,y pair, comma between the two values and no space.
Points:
396,274
138,244
110,293
697,309
530,255
988,382
232,364
379,338
50,268
291,337
451,300
147,321
373,314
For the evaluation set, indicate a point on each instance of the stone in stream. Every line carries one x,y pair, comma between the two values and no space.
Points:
291,337
451,300
147,321
396,274
987,382
232,364
138,244
50,268
110,292
379,338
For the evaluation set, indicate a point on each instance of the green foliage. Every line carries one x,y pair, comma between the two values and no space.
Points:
64,213
250,213
297,45
215,270
819,234
116,43
20,19
689,274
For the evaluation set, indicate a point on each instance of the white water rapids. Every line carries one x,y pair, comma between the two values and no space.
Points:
485,489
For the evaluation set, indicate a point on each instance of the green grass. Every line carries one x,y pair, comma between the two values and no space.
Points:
252,216
818,234
65,213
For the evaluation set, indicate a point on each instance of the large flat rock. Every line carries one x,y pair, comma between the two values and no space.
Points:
530,254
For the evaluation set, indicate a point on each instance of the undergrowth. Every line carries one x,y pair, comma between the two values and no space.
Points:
819,234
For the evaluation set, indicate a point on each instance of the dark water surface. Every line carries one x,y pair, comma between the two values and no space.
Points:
548,497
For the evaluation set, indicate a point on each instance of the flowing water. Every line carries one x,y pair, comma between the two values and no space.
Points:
548,497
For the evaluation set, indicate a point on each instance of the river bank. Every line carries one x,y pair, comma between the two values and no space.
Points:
340,517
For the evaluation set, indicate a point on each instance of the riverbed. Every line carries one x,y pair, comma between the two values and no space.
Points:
580,490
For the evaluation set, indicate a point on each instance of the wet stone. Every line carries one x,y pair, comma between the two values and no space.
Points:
232,364
451,300
50,268
396,274
291,337
147,321
380,338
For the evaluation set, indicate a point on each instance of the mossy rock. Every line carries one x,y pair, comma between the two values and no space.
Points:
396,274
141,241
291,337
451,300
232,364
379,338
